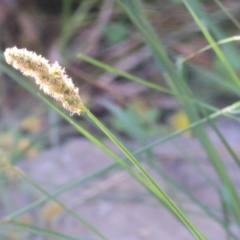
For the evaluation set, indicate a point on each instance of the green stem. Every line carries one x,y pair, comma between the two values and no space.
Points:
161,194
85,223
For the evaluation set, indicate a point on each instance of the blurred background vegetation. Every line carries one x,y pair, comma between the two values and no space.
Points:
61,29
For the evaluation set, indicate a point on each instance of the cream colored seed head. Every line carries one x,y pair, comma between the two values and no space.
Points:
51,78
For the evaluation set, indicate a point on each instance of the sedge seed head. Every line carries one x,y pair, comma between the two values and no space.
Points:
51,78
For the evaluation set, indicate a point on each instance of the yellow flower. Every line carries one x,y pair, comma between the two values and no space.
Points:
7,168
50,210
51,78
179,120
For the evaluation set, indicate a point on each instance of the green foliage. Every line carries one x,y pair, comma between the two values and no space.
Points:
133,121
115,32
141,122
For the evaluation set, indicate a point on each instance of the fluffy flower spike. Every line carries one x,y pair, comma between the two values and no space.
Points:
51,78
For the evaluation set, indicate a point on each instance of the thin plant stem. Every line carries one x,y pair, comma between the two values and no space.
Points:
85,223
161,194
